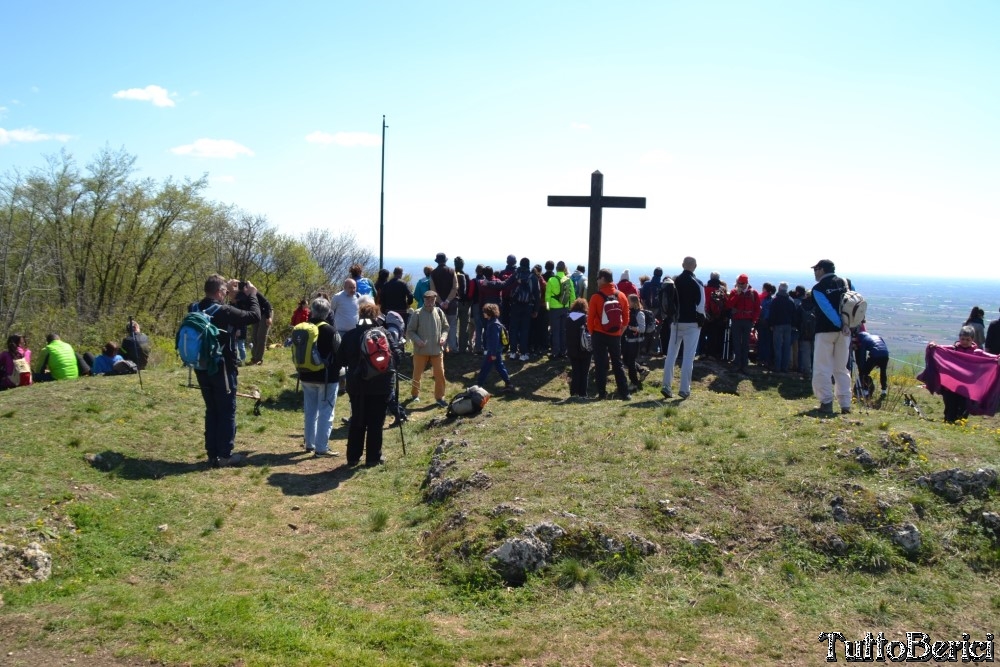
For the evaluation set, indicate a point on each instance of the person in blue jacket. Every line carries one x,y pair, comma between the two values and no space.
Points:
875,353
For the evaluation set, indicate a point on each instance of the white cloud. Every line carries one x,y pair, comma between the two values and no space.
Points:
583,127
29,135
223,148
344,138
155,94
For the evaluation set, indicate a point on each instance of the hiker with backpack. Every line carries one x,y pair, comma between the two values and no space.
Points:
607,317
464,300
428,331
634,335
494,348
366,352
15,363
649,295
523,310
579,344
559,295
217,371
444,281
314,352
685,328
832,345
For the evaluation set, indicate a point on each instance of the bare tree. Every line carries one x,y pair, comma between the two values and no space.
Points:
336,253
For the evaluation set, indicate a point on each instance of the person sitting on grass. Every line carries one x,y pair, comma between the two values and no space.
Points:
104,363
15,363
59,361
494,348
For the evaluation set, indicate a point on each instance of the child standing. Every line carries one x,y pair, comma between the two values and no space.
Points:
494,347
634,335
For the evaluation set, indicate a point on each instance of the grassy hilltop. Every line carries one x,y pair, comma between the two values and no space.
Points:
730,528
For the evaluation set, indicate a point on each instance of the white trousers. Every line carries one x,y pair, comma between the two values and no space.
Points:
687,333
830,352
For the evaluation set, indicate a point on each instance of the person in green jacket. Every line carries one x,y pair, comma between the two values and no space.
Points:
58,361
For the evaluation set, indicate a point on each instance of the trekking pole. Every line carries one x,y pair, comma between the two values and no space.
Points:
135,347
402,438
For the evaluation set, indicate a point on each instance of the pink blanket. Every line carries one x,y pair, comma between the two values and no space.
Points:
974,375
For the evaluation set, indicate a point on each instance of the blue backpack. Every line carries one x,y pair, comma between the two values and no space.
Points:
198,340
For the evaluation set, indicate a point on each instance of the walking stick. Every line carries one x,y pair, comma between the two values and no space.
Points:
402,438
135,348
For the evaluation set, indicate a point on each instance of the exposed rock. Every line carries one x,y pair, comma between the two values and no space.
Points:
546,533
516,557
955,483
436,470
697,540
642,545
456,520
24,564
447,444
479,480
836,545
908,538
840,514
992,521
864,457
506,508
442,489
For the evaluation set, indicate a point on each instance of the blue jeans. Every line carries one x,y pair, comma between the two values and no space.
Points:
556,316
782,336
806,357
319,401
220,410
497,362
520,327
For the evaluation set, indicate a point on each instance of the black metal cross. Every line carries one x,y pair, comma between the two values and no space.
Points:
596,202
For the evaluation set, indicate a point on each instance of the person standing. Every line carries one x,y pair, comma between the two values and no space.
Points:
422,286
494,349
832,344
319,387
428,331
685,329
744,309
780,320
362,284
344,308
523,309
396,295
464,305
634,335
218,389
369,396
445,283
606,323
559,296
579,354
301,313
260,330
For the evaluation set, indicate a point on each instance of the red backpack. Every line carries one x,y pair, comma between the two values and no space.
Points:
611,315
376,357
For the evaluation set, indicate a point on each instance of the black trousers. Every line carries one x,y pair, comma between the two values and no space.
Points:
607,347
367,421
578,375
882,364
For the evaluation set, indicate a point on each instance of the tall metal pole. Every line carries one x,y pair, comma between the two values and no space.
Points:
381,213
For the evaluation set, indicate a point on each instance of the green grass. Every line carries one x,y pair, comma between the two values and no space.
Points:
292,560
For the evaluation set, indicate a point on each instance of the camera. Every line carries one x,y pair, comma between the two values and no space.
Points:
243,285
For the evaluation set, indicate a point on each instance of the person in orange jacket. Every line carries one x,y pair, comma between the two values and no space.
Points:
607,320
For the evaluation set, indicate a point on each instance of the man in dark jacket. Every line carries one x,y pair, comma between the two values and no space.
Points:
993,337
780,319
135,346
369,397
685,328
260,330
219,389
396,295
832,344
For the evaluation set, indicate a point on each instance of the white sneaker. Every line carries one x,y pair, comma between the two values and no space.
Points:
513,355
524,357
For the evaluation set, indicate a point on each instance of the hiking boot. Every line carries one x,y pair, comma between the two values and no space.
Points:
509,389
372,464
441,403
684,394
310,449
826,408
324,454
884,393
845,411
626,396
230,461
666,393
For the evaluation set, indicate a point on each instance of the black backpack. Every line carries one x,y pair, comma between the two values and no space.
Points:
668,300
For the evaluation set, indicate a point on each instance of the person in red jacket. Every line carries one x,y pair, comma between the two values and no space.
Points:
301,313
744,306
606,324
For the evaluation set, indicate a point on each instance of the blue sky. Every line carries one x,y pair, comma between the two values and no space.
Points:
764,135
